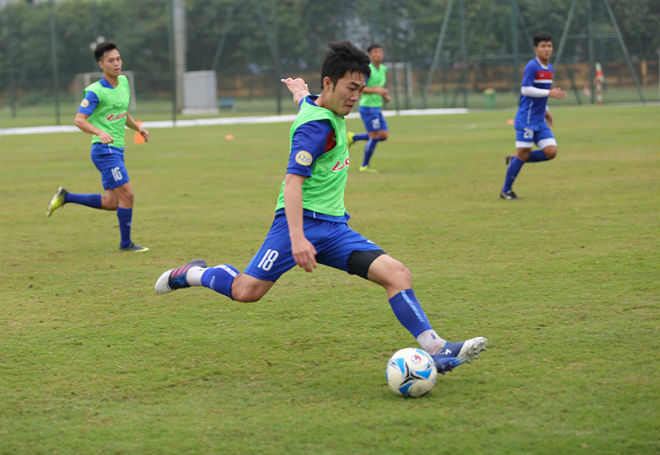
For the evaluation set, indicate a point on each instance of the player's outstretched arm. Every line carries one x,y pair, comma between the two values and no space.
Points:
297,87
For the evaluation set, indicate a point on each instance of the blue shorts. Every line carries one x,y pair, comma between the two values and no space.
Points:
334,243
541,135
373,118
110,165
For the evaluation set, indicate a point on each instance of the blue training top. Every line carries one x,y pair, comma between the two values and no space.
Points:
531,111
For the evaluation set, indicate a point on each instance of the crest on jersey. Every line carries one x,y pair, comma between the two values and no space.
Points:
304,158
84,102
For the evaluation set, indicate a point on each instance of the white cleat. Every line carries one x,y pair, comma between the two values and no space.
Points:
471,349
162,285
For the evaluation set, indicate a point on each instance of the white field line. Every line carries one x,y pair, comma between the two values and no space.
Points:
218,121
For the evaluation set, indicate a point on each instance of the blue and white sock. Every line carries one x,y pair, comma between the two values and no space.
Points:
410,314
125,216
369,151
89,200
512,172
220,278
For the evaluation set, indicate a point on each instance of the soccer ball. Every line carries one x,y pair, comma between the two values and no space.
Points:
411,372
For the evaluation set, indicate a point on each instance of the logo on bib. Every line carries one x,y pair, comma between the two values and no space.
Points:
304,158
84,102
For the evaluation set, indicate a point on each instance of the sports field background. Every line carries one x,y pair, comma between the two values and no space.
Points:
565,284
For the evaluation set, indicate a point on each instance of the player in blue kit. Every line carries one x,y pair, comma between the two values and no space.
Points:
533,118
311,223
103,113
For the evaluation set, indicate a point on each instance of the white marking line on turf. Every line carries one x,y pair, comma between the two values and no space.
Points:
219,121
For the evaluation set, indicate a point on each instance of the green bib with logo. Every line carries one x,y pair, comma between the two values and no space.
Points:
323,192
111,112
377,78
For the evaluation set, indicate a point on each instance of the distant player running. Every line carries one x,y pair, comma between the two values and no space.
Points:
311,223
104,113
533,118
374,96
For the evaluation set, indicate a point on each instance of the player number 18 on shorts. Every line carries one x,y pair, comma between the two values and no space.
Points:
269,257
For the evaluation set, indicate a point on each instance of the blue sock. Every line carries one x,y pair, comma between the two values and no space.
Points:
125,217
409,312
90,200
220,278
536,156
361,137
512,172
368,151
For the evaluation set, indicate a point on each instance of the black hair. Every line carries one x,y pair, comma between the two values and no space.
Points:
539,37
374,46
102,48
341,57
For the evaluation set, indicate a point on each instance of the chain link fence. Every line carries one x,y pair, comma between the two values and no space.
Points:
440,53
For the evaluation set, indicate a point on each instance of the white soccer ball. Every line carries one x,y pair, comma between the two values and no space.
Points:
411,372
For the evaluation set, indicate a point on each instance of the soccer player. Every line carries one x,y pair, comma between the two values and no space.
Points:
533,118
310,225
374,96
103,113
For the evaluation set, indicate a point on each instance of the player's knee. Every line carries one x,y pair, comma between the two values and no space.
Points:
550,152
126,198
400,276
108,202
390,273
383,135
246,294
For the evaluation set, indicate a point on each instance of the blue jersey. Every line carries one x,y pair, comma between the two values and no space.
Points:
531,111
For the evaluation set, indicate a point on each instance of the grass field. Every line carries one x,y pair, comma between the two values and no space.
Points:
565,284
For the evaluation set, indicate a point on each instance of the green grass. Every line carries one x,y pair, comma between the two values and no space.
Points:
564,283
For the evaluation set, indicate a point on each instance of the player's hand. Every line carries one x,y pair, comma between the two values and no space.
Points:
105,138
295,84
304,254
548,118
297,87
145,134
387,98
557,93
